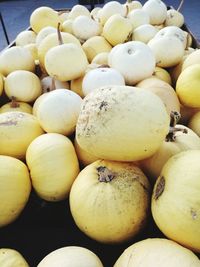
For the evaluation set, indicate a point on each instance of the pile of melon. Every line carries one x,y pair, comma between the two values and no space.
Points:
101,109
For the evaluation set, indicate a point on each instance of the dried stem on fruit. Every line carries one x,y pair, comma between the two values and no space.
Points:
60,39
174,118
180,5
14,103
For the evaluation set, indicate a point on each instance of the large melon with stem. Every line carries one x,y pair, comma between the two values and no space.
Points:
122,123
66,61
109,201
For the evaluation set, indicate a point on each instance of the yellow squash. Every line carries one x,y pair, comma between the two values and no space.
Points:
17,131
157,252
175,199
15,188
53,166
11,258
109,201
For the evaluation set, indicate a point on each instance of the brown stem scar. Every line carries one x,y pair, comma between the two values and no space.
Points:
105,175
174,118
159,187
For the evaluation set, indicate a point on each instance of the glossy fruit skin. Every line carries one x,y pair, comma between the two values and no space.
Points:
109,201
53,166
66,62
188,86
10,257
60,120
72,256
17,131
134,60
42,17
15,189
16,58
24,85
176,195
157,252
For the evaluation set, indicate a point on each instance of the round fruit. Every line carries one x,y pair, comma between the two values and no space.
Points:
157,252
51,40
194,123
176,195
17,131
67,26
137,121
25,37
188,86
164,91
182,139
53,166
193,58
66,62
23,85
78,10
109,201
101,58
134,60
15,189
10,257
84,27
95,45
174,18
16,106
157,11
168,51
138,17
42,17
58,111
111,8
117,29
100,77
163,75
16,58
44,32
144,33
72,256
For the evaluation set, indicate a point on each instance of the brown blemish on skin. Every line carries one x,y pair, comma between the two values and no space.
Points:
105,175
174,118
130,51
159,188
193,213
103,104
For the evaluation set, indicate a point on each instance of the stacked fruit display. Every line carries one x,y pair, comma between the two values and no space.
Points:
90,106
